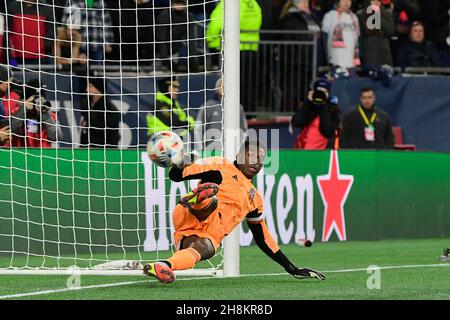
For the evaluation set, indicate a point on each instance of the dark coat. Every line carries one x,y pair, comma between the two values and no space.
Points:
103,125
171,28
133,30
435,20
352,135
412,54
297,20
376,49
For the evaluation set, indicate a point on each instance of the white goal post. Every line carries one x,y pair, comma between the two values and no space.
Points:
231,116
61,207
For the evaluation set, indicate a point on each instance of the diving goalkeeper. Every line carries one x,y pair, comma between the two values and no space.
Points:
224,197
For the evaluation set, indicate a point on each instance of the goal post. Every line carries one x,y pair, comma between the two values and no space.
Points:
231,116
66,205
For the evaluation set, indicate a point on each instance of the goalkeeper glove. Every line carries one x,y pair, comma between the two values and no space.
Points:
304,273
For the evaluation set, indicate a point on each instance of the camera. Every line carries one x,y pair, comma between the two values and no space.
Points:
40,102
319,96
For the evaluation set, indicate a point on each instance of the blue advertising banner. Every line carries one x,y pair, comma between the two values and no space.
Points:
416,104
419,105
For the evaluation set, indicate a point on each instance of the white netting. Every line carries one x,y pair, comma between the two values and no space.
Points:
76,186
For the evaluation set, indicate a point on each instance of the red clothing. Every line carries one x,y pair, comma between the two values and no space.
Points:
31,29
310,138
27,39
11,103
34,137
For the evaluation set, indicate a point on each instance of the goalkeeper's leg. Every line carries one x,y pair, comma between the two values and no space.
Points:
199,203
193,249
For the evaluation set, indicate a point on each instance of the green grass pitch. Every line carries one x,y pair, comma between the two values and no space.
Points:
416,273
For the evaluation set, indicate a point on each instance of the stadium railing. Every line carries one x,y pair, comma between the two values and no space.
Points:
274,78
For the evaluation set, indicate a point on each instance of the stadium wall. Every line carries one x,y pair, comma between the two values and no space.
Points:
383,195
416,104
133,96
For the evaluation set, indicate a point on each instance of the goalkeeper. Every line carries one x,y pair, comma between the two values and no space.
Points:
224,197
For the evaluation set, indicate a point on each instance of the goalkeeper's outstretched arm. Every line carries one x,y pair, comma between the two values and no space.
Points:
188,170
267,244
206,173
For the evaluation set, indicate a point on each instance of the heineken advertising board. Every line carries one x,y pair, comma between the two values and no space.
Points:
118,199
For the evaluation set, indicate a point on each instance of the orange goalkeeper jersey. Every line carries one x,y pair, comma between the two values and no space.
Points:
238,199
235,189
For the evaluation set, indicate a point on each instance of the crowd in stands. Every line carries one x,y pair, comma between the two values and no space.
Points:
174,34
407,32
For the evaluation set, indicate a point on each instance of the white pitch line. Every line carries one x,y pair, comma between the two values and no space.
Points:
118,284
95,286
44,292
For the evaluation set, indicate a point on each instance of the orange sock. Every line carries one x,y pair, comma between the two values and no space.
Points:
184,259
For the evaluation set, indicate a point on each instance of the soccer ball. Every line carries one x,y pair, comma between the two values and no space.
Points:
165,148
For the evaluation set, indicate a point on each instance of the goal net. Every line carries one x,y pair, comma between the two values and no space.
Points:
83,84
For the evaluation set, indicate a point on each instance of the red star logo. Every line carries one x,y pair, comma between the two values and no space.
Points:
334,189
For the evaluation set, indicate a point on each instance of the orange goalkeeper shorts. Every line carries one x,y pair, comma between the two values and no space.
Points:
216,227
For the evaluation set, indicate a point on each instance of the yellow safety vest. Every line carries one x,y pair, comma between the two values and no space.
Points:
154,124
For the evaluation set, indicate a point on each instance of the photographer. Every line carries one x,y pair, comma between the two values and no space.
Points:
10,91
318,118
33,125
5,133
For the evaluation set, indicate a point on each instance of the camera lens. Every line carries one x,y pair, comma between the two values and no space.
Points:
319,97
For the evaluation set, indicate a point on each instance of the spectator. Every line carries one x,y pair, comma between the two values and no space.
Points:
269,19
168,114
296,15
367,127
341,30
94,24
10,92
318,118
446,53
5,133
33,124
176,26
31,32
202,9
68,46
209,120
435,20
322,7
250,24
4,121
417,52
100,121
2,37
405,12
376,49
250,21
133,22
